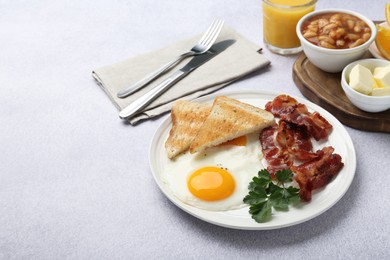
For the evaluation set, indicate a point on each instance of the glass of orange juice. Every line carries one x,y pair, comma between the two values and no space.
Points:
280,17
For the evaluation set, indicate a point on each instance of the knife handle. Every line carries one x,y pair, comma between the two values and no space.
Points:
143,82
150,96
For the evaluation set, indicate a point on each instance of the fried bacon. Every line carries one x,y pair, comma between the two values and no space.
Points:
284,143
295,140
289,110
318,172
287,145
277,158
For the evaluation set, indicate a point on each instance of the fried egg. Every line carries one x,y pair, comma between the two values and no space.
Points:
216,179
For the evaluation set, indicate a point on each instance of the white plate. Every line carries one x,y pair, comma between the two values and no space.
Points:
374,50
240,219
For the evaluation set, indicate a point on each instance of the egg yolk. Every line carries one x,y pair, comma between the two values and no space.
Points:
239,141
211,183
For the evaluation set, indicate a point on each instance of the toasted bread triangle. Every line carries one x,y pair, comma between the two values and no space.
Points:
187,118
229,119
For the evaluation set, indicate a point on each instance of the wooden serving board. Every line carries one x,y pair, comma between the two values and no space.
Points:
324,89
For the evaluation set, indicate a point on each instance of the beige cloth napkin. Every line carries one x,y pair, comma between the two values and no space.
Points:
238,60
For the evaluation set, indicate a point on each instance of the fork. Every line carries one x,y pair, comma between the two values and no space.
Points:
201,47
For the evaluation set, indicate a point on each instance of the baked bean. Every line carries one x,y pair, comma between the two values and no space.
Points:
336,30
357,28
350,24
333,34
326,39
340,43
327,45
313,27
352,36
336,18
340,32
366,36
357,43
323,22
327,28
310,34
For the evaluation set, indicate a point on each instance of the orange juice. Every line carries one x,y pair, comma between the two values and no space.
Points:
280,17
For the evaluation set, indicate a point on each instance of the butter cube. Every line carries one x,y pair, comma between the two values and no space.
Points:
377,69
380,92
361,79
382,76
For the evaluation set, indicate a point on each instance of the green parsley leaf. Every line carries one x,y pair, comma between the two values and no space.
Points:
273,188
261,212
264,194
255,197
284,176
294,195
278,200
263,179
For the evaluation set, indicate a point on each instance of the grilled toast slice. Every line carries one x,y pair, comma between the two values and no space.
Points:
187,118
229,119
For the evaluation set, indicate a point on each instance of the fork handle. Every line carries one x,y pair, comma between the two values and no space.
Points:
143,82
148,97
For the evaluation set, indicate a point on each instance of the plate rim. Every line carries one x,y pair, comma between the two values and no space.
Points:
164,125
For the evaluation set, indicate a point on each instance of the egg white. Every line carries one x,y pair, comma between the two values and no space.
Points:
242,162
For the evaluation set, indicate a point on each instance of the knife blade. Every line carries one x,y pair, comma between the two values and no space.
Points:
137,105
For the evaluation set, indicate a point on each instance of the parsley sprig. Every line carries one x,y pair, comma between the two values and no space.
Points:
265,194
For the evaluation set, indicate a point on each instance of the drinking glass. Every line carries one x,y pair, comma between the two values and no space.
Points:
280,18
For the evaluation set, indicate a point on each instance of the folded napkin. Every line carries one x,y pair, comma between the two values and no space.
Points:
238,60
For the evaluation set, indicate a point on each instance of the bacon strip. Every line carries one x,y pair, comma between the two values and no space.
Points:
296,141
283,143
281,105
277,158
289,110
318,172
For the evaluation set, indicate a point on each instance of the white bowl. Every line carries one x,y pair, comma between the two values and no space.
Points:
334,60
362,101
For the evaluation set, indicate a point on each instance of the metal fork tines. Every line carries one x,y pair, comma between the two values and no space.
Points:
201,47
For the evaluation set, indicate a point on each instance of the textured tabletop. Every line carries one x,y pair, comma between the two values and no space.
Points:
75,181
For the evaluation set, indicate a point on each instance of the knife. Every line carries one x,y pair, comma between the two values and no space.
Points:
135,107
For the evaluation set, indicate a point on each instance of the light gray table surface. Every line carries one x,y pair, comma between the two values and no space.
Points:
75,181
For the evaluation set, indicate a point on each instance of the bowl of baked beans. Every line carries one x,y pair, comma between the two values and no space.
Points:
333,38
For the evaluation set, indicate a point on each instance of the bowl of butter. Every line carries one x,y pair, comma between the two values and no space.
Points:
367,84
